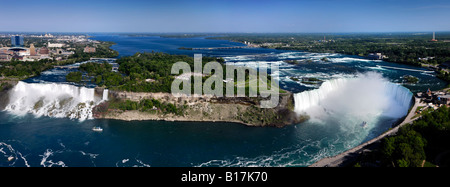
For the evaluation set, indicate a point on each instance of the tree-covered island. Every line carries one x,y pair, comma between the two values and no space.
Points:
141,89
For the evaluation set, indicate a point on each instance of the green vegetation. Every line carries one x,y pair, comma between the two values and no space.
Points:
23,70
410,79
74,77
325,59
293,62
444,75
406,149
94,69
425,139
101,74
311,80
155,66
294,78
147,105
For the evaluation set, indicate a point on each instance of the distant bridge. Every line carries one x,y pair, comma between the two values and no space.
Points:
103,59
66,67
407,69
216,48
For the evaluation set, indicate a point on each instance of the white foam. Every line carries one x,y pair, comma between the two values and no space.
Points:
53,100
129,163
49,163
11,152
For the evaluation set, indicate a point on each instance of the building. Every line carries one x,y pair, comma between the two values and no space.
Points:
375,56
32,50
88,49
17,41
5,55
54,45
44,51
24,52
63,52
48,35
437,97
444,99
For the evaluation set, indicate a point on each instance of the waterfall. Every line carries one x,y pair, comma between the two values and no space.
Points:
105,95
54,100
364,95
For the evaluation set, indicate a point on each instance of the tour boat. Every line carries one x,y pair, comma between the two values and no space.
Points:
364,124
97,129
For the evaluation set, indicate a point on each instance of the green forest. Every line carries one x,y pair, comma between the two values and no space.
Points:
142,72
418,144
23,70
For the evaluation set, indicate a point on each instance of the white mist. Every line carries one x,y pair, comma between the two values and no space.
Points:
354,100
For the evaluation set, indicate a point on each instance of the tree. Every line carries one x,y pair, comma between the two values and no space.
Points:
74,77
406,148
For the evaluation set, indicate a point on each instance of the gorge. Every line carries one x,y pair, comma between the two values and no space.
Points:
45,123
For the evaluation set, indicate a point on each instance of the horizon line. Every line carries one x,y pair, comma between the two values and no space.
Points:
179,32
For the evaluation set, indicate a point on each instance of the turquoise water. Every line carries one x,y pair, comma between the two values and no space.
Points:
45,141
62,142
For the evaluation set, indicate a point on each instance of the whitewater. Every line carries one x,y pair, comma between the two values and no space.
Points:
54,100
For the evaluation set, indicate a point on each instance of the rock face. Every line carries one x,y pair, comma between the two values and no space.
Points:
243,110
5,87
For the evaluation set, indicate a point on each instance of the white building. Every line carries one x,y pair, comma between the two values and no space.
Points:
54,45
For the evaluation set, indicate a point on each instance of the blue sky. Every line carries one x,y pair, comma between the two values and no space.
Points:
225,15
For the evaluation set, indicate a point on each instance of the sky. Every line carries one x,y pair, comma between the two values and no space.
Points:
224,16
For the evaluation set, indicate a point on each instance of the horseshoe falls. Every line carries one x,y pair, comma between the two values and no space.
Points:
365,96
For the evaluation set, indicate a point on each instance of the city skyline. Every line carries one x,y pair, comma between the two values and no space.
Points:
226,16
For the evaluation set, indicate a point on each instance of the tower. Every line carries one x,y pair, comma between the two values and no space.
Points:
32,50
434,38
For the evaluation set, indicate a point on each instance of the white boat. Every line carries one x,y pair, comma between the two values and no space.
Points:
364,124
97,129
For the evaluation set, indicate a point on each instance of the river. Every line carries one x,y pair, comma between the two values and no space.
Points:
364,90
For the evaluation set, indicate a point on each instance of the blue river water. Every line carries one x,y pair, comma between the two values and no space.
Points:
30,140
